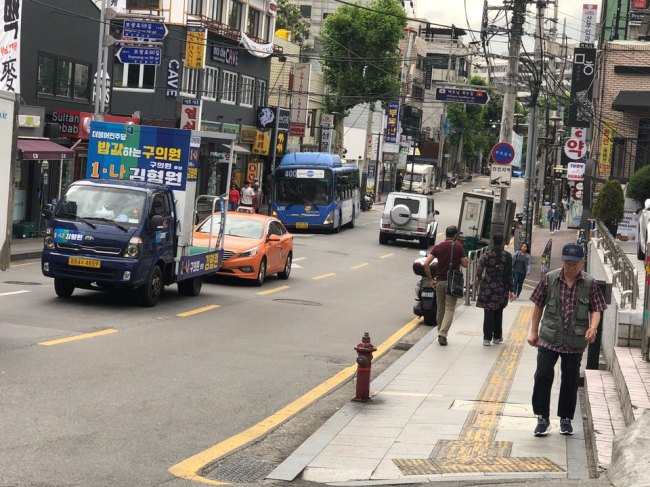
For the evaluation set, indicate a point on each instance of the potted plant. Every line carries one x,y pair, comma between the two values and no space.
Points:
609,206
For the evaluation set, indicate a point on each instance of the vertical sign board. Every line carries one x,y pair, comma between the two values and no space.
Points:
392,118
195,44
8,135
300,100
582,81
10,45
190,113
327,123
589,19
606,149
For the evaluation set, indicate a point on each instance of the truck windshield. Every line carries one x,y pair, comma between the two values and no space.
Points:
307,191
417,178
113,204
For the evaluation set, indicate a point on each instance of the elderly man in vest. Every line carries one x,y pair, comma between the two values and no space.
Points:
572,304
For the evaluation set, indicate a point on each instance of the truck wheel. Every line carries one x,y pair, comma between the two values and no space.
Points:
63,287
152,289
261,274
190,287
287,268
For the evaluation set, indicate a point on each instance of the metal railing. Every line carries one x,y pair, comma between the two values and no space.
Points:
625,276
471,289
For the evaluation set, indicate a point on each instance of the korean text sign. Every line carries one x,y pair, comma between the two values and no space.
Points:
10,45
139,153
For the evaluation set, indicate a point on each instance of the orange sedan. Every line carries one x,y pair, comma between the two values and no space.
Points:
254,245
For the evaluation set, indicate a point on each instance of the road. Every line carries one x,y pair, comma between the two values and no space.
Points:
155,386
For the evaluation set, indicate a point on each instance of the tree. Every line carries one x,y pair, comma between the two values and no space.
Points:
610,205
639,186
360,57
290,18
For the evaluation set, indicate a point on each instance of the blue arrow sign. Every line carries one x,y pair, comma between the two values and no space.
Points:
139,55
144,30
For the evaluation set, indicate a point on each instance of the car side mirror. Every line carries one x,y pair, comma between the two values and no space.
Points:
47,211
273,238
156,222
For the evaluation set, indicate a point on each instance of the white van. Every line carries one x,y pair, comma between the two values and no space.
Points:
423,176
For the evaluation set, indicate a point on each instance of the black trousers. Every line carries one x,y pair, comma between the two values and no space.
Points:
544,375
492,324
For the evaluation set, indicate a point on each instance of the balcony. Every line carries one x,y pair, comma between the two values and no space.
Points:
628,156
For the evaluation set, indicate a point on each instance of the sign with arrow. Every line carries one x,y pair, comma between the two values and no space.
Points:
139,55
155,31
500,176
456,95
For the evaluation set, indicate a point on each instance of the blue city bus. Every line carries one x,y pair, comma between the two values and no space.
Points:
315,190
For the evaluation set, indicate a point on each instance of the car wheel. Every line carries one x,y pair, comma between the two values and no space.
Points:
639,252
400,215
63,287
424,242
287,268
190,287
383,239
151,291
261,273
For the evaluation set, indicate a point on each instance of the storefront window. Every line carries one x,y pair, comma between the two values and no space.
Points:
63,78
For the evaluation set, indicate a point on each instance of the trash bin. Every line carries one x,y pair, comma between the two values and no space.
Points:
24,230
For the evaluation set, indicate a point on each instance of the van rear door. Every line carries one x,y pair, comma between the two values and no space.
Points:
474,211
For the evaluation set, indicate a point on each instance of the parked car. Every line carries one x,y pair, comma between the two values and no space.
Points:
408,216
517,173
255,246
643,232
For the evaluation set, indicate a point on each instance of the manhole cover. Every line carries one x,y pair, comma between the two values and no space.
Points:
241,470
300,302
23,283
403,346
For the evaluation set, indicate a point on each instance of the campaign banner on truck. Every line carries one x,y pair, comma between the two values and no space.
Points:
139,153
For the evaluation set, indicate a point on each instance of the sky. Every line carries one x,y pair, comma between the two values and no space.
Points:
453,12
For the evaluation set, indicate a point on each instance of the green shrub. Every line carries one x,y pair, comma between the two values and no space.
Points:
639,186
610,203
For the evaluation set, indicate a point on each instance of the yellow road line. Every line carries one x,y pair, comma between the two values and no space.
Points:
360,266
196,311
274,290
188,468
78,337
385,256
324,276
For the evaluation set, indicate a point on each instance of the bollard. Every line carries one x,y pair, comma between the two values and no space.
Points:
365,349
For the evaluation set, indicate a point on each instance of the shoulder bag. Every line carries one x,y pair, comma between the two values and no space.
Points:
455,279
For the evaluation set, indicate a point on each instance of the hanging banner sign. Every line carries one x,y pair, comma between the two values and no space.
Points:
10,46
190,113
254,48
582,80
195,43
392,118
589,20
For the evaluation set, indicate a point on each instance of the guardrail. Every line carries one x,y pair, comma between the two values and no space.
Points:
471,289
626,277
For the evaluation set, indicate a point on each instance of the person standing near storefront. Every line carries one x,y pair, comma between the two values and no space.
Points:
233,198
247,194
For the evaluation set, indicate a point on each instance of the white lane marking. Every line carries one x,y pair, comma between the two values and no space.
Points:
14,292
299,259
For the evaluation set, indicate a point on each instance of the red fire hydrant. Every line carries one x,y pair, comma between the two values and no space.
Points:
365,349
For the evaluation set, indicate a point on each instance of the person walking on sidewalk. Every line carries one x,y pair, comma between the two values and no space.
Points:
496,286
247,194
233,198
257,197
521,267
446,303
551,215
572,304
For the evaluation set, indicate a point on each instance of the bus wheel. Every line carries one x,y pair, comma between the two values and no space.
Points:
337,229
351,224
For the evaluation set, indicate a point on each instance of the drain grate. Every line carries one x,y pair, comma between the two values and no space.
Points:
242,470
403,346
24,283
299,302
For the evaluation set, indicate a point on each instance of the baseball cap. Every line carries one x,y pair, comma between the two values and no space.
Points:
572,252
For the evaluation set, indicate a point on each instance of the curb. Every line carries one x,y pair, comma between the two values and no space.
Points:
33,254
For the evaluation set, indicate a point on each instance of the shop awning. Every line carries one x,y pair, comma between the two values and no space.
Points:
632,101
40,149
236,148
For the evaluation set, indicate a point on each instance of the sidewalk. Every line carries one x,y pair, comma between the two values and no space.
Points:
460,412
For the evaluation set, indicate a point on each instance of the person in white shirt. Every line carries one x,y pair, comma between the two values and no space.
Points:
247,194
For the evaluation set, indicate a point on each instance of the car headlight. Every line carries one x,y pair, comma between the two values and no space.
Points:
48,240
250,253
134,248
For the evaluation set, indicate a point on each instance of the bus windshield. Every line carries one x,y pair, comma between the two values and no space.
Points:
303,191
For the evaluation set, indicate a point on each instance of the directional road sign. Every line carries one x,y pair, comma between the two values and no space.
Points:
457,95
139,55
503,153
144,30
500,176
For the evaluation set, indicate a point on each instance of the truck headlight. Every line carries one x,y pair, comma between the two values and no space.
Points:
330,218
48,240
134,248
250,253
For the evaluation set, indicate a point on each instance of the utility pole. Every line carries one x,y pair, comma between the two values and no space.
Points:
531,149
99,92
509,101
441,141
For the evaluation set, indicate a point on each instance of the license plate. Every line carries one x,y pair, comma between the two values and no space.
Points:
427,295
302,225
400,232
79,262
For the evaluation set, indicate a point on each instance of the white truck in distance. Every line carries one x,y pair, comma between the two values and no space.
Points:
423,177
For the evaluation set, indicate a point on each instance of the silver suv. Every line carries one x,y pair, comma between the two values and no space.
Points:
643,232
409,216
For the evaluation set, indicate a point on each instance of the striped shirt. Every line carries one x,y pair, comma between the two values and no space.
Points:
568,300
